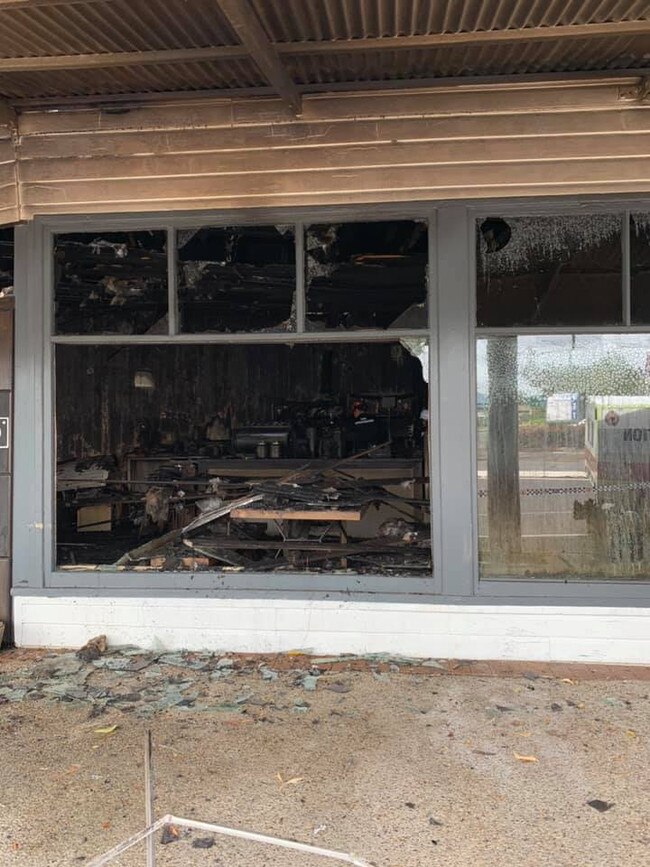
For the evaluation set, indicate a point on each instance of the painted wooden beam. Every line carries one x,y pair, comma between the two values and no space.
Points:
10,5
266,55
626,78
468,38
58,62
248,28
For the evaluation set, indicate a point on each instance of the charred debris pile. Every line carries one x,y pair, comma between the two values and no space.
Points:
293,523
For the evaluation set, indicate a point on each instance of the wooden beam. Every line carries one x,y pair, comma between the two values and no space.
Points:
624,77
252,35
295,515
10,5
476,37
56,62
266,55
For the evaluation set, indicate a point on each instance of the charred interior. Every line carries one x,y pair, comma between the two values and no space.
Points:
111,284
237,279
555,271
366,275
6,261
259,457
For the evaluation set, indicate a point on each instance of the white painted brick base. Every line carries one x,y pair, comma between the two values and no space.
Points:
542,633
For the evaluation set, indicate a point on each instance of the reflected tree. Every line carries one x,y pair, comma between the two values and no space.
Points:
504,512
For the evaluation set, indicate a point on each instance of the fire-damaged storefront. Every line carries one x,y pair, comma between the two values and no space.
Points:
309,412
331,328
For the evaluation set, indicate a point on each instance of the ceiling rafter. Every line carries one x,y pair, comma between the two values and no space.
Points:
470,37
261,50
10,5
267,54
54,62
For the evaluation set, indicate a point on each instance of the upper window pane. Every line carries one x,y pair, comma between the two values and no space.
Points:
113,283
237,279
549,271
640,268
367,275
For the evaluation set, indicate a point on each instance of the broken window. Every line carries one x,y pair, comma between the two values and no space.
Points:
257,458
549,270
6,262
110,283
564,456
237,279
640,268
366,275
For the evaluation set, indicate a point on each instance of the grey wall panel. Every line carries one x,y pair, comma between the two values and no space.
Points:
28,501
5,598
6,345
5,515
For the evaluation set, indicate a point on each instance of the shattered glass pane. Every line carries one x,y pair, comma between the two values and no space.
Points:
640,268
237,279
172,458
366,275
113,283
549,270
564,456
6,262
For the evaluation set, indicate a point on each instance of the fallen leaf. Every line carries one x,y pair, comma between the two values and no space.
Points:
291,782
107,730
15,846
170,834
528,759
106,825
631,733
568,680
523,734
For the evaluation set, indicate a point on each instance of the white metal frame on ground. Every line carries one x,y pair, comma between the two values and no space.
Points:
451,334
146,834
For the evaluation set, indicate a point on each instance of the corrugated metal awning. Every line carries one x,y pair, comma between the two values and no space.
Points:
57,51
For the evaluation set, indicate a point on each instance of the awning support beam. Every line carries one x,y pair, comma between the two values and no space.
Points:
259,47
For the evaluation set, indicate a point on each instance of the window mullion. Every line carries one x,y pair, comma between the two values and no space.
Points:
455,419
626,276
300,278
172,282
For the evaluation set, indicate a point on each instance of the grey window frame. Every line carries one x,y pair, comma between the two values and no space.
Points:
34,567
451,333
579,590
